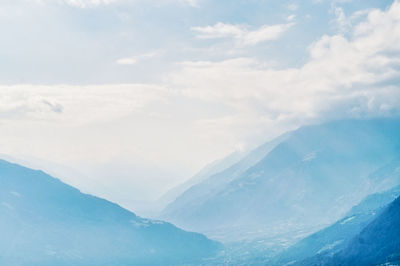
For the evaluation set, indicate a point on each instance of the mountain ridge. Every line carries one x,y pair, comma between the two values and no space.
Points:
55,224
291,178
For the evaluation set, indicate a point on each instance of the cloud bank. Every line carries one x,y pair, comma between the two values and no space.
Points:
354,76
75,104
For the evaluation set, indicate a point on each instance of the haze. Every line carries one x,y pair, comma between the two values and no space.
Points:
126,99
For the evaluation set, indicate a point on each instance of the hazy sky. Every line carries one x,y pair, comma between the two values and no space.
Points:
138,95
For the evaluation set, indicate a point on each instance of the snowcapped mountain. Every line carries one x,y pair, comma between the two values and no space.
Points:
46,222
305,180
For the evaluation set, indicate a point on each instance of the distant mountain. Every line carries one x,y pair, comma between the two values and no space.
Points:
334,238
309,178
377,244
213,181
46,222
209,170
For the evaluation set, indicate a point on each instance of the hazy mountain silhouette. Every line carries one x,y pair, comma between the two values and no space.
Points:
309,178
46,222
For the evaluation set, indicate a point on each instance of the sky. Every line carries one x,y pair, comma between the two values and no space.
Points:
126,99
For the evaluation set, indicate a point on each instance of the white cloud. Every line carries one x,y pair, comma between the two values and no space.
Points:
356,76
292,7
193,3
74,3
241,33
127,61
75,104
135,59
290,17
88,3
97,3
342,22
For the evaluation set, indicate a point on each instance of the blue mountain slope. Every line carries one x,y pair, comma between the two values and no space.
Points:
46,222
377,244
195,195
334,238
310,179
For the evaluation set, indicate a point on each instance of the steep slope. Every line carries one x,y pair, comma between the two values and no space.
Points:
378,242
334,238
310,179
195,195
46,222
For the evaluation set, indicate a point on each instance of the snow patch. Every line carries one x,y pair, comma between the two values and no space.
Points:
156,222
347,220
145,222
139,224
309,157
329,246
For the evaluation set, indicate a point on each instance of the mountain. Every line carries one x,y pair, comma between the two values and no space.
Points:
309,179
377,244
46,222
203,174
193,197
334,238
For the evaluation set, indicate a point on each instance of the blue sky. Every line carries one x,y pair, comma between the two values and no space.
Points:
139,95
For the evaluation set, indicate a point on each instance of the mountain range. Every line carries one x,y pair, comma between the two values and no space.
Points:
294,185
46,222
324,194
